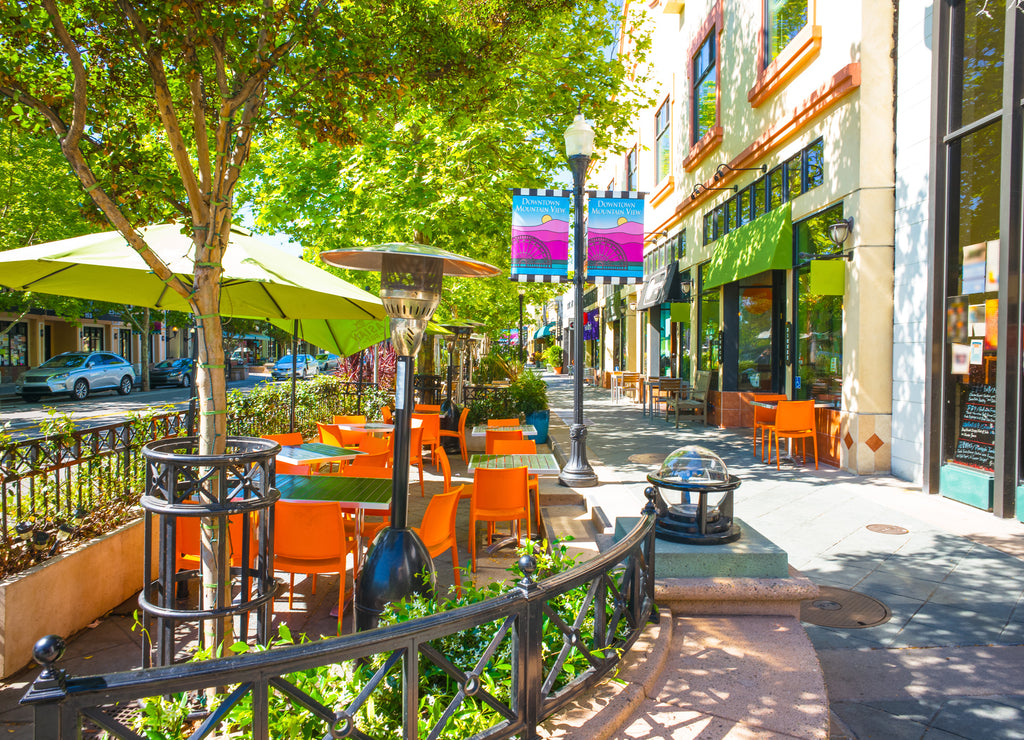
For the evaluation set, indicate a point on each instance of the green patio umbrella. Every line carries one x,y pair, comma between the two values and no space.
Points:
259,281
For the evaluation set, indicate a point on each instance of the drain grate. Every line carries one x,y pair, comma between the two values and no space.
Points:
648,458
843,609
888,529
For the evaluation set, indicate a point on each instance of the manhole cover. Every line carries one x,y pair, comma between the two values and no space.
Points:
887,529
843,609
648,458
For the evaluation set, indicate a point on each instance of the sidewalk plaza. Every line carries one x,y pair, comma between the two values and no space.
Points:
948,663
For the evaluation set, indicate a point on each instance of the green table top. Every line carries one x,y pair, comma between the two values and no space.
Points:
539,464
362,493
312,453
528,430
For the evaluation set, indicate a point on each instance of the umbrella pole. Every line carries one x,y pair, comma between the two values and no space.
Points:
359,383
295,366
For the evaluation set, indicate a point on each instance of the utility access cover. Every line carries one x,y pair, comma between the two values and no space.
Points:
843,609
888,529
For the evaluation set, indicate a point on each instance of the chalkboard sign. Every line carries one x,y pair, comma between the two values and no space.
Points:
976,436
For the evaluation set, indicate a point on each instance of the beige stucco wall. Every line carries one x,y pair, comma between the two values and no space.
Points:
856,126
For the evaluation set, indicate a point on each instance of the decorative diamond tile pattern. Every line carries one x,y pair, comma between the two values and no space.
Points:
874,442
848,441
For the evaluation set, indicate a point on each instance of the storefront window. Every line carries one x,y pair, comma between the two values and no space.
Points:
973,305
92,339
819,324
13,344
710,343
755,334
976,62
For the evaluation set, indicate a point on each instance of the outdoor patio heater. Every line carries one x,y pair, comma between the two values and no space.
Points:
411,277
688,472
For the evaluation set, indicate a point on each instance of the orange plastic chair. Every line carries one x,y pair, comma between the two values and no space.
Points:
764,419
503,422
380,460
310,538
493,436
350,419
332,434
499,495
427,408
294,438
188,545
795,420
374,446
523,447
385,414
431,424
437,529
459,435
416,453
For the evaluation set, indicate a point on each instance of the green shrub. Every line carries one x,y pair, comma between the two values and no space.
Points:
553,355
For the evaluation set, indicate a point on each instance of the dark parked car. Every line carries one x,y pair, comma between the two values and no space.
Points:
177,371
77,374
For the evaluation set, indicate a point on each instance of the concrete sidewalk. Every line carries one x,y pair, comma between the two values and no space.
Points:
950,661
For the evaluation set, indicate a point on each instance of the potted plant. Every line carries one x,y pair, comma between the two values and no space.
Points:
553,355
529,395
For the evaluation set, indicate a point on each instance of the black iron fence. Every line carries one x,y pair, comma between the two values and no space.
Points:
514,680
65,476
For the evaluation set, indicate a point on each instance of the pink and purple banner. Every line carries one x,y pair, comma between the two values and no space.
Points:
615,237
540,235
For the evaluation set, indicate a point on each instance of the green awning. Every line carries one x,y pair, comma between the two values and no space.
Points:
544,331
764,244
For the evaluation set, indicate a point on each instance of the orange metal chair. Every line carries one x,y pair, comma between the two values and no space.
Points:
431,424
764,419
427,408
459,435
350,419
493,436
795,420
437,529
310,538
503,422
499,495
294,438
523,447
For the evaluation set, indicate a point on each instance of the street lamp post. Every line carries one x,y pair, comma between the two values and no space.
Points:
579,144
522,357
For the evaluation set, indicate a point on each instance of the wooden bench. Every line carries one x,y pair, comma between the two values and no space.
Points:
694,401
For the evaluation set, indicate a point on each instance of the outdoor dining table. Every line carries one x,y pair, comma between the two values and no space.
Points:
528,430
316,453
538,464
370,427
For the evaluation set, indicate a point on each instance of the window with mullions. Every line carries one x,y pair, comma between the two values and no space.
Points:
776,188
819,318
662,142
681,244
794,176
705,87
710,345
13,344
708,237
759,195
631,183
743,209
783,20
814,164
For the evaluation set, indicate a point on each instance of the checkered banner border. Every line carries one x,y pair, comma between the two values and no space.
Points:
614,280
616,194
544,193
527,278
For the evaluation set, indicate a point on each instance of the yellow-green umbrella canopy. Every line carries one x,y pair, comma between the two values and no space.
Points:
259,281
344,336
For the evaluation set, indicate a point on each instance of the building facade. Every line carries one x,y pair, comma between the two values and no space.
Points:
772,121
957,343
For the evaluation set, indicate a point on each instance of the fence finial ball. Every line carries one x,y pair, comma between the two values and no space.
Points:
528,565
48,650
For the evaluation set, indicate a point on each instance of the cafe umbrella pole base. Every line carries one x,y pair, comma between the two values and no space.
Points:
577,472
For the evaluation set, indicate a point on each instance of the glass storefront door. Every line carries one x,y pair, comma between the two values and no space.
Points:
755,334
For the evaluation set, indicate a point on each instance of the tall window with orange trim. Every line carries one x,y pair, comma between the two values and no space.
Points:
783,20
705,86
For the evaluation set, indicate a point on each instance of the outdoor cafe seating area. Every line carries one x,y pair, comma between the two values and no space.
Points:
335,490
778,423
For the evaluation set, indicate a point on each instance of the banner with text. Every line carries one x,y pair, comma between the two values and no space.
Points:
615,237
540,235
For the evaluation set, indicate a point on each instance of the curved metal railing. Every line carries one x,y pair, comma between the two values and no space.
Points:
617,602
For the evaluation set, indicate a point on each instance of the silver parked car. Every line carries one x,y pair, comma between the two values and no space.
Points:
305,366
77,374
